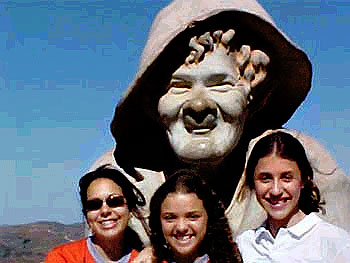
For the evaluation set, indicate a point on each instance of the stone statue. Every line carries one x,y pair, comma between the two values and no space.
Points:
213,76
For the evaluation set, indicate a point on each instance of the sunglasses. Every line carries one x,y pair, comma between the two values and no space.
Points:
112,201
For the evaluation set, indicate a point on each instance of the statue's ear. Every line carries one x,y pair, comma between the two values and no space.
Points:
255,70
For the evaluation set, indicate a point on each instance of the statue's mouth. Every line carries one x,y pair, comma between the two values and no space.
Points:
200,131
205,126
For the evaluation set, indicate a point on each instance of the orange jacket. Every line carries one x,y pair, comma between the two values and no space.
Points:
75,252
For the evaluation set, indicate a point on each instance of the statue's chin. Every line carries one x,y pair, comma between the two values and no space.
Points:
210,147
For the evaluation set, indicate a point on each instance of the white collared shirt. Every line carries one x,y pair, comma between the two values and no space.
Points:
310,240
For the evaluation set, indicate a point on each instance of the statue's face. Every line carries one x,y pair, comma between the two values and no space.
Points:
204,108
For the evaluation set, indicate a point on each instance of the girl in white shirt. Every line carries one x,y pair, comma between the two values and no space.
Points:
280,173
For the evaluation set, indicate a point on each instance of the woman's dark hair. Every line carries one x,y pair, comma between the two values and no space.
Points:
217,243
133,196
288,147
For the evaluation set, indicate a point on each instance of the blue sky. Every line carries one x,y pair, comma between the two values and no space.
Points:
65,64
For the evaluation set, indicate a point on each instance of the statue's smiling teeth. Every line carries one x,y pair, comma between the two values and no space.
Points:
200,131
203,127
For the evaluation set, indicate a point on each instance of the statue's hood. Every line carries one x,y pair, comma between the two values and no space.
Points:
140,137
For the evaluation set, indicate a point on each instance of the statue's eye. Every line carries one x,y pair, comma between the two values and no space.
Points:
222,87
178,87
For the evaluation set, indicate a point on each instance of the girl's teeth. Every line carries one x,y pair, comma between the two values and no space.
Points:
107,222
183,238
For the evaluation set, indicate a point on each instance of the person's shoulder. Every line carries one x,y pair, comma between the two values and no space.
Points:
336,238
73,245
326,229
336,230
68,251
133,255
246,235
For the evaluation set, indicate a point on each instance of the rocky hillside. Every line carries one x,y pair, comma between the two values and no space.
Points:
29,243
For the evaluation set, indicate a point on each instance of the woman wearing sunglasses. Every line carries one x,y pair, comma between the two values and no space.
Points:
188,223
279,172
107,199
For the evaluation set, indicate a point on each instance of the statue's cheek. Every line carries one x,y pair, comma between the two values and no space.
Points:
169,106
231,103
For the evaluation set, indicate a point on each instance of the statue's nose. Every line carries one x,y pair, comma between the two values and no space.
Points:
200,113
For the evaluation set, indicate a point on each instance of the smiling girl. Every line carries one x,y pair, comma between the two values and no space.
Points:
280,173
188,224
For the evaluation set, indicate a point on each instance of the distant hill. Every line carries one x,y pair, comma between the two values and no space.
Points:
29,243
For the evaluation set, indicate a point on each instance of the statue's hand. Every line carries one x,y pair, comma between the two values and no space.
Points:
258,61
252,64
145,256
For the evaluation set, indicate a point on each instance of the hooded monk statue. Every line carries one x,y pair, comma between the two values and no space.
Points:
213,76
